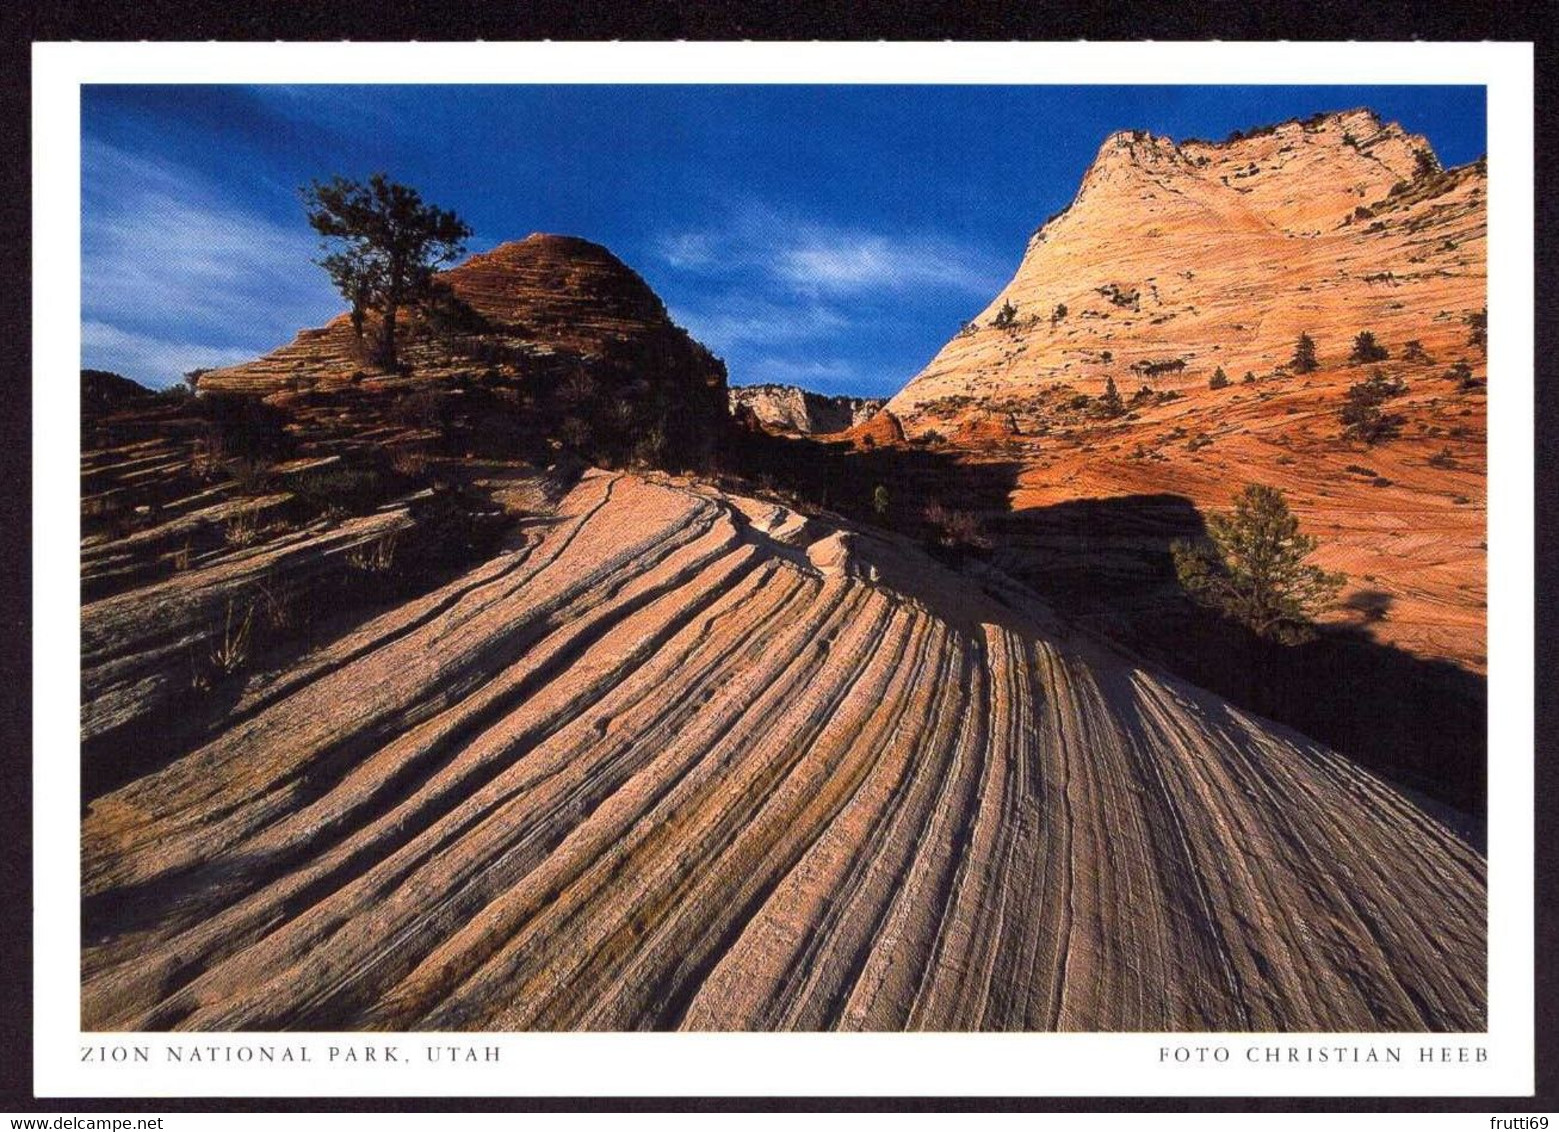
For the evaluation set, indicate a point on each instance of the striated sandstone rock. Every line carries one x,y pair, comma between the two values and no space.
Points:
557,319
1176,260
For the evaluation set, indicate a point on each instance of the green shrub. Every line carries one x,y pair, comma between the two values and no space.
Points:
1367,349
1362,416
1304,359
343,491
1252,569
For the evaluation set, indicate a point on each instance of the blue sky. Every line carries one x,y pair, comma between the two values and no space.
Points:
830,236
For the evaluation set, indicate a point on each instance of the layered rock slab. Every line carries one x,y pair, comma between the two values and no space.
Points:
687,760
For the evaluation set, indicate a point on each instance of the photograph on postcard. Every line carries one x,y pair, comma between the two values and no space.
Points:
783,558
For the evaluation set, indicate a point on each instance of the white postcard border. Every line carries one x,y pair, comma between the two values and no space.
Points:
777,1064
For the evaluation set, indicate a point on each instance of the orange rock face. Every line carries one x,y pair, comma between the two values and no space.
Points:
1176,261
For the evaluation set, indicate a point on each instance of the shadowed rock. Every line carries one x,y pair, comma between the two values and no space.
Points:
681,759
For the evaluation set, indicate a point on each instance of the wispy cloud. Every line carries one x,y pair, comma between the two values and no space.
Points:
688,249
816,258
149,359
800,301
732,320
165,260
842,262
823,374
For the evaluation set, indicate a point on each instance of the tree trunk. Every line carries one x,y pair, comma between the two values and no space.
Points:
387,337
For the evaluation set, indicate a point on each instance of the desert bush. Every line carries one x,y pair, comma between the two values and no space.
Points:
409,460
1413,351
576,433
250,476
1219,379
240,426
208,456
276,601
1362,416
1006,316
343,491
1367,349
579,387
376,556
419,409
1252,569
1444,458
1304,359
880,500
230,641
650,450
242,528
954,529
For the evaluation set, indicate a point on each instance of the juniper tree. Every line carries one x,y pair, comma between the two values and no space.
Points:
1478,329
1251,568
880,500
1366,349
1110,403
382,245
1304,360
1361,414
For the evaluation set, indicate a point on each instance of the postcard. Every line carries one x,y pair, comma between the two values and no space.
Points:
776,569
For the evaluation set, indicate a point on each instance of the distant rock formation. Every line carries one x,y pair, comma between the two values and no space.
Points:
786,408
561,322
1221,254
1177,260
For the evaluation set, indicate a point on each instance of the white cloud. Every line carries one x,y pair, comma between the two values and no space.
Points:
838,262
737,319
687,249
153,361
813,258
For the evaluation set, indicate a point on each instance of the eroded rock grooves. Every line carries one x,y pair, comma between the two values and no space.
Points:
678,759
